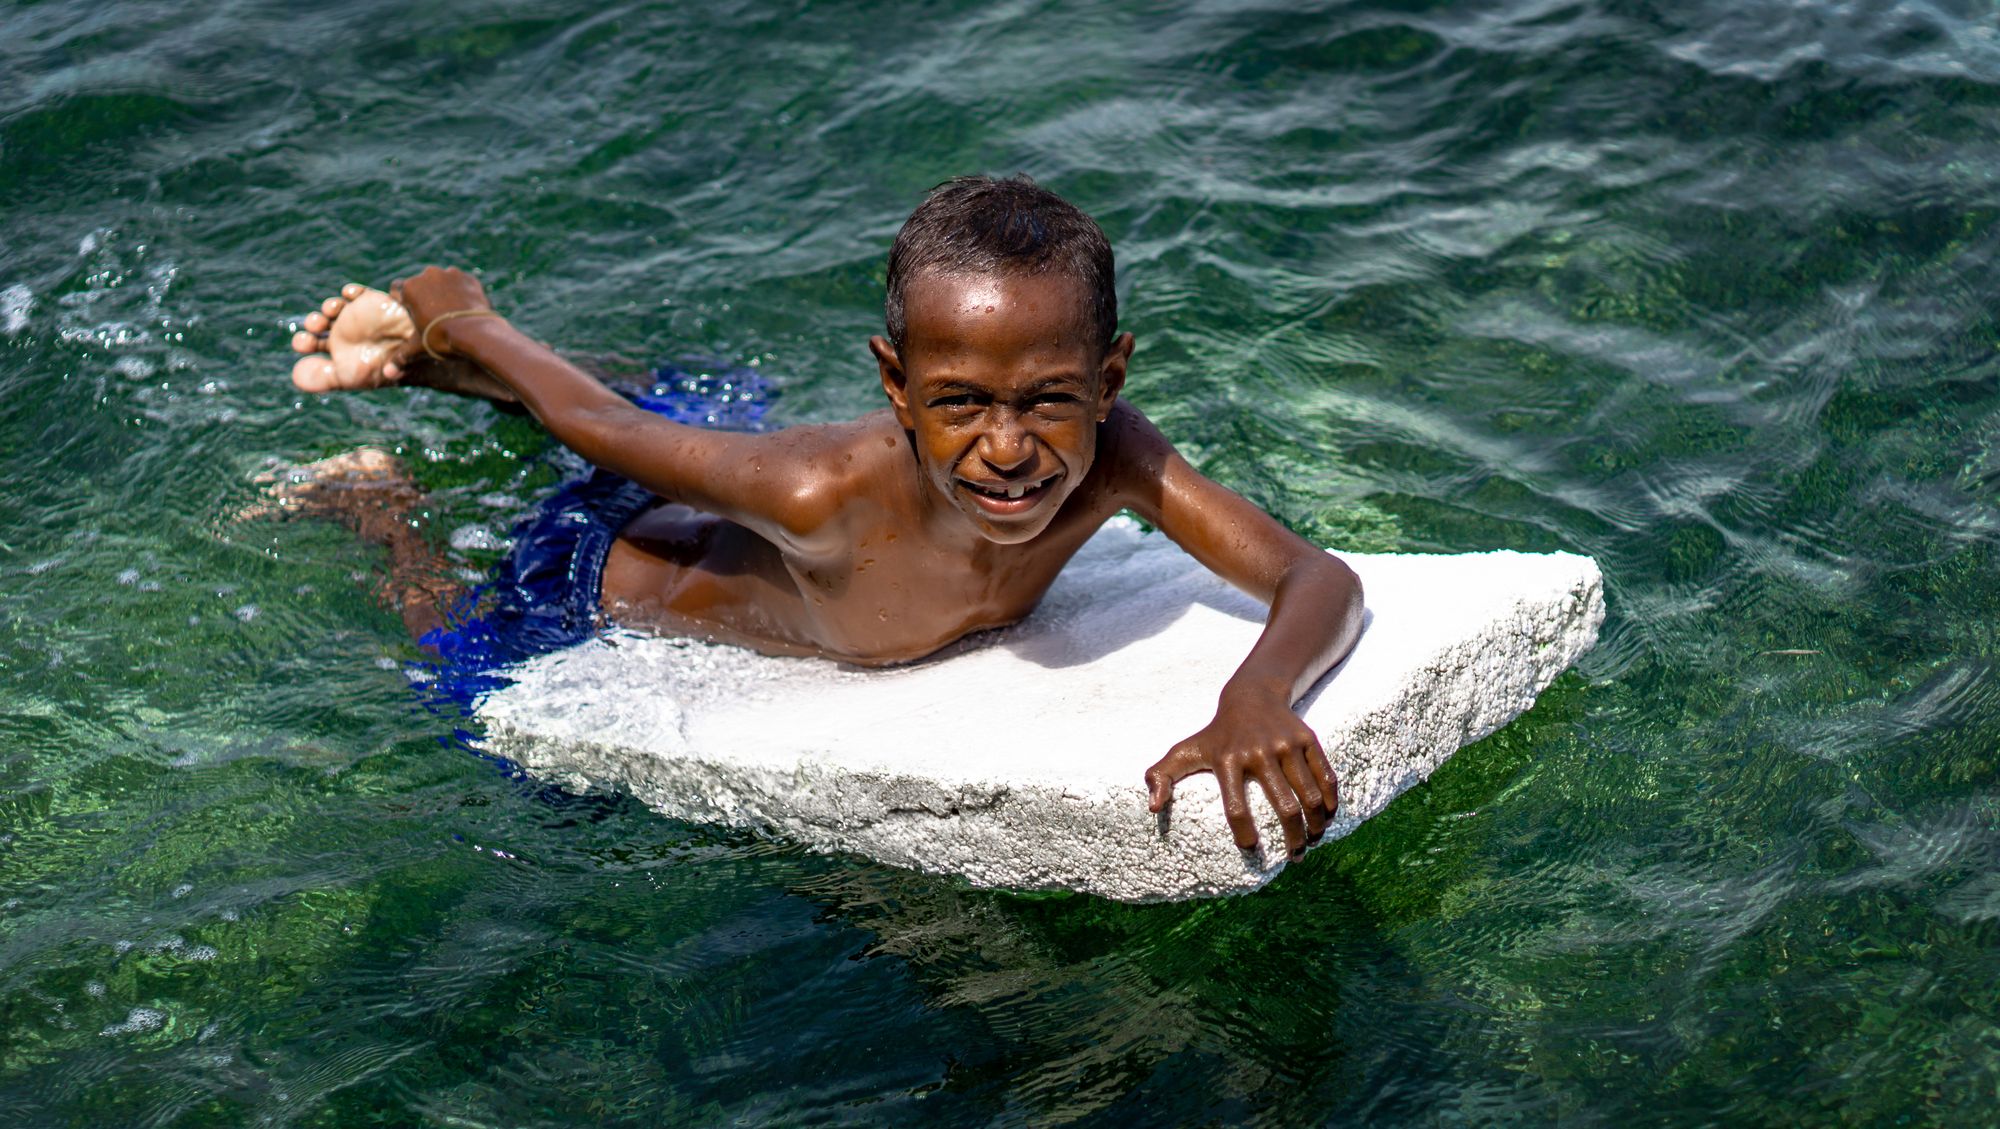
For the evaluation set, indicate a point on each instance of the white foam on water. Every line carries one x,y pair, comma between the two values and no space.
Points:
1041,785
138,1021
134,367
476,537
16,303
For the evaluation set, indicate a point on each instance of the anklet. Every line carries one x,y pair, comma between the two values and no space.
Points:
445,317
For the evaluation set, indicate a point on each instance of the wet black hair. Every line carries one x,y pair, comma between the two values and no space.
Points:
980,225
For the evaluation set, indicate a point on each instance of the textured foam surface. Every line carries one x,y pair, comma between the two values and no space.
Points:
1016,760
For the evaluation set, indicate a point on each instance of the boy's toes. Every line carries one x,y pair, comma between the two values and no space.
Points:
304,342
297,488
317,322
314,373
360,463
332,307
352,291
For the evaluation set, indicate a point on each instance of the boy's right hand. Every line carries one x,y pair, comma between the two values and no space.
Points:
365,339
434,293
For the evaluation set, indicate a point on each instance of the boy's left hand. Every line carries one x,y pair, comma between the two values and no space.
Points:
1262,739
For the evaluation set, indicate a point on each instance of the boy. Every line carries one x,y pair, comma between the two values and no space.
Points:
1004,447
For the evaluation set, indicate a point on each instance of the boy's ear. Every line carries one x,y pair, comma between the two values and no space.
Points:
894,381
1111,374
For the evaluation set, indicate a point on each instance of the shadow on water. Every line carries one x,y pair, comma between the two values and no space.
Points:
1106,1012
529,950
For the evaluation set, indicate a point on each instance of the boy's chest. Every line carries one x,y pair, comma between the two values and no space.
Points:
902,595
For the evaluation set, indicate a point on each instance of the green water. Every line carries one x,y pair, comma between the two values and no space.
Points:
1700,289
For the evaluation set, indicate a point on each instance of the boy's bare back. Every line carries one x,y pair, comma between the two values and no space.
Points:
1005,446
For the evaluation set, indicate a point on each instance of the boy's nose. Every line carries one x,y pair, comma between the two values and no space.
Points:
1006,446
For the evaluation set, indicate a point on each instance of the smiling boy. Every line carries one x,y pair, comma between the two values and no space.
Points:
1004,447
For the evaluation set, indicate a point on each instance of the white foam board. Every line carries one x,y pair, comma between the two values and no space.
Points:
1017,758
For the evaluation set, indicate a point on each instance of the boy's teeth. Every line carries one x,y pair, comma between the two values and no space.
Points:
1014,490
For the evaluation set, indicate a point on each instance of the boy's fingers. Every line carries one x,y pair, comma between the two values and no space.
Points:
399,358
1329,784
1297,775
1289,812
405,351
1168,771
1236,805
1302,779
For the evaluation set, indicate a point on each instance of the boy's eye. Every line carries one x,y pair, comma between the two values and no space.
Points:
959,401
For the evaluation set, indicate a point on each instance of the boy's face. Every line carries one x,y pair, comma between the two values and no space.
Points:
1002,387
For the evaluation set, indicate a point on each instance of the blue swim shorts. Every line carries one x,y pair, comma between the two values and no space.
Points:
545,595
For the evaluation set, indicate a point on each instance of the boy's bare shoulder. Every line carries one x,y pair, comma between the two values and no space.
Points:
839,455
1133,453
818,470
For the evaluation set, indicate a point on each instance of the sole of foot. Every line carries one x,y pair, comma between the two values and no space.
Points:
352,342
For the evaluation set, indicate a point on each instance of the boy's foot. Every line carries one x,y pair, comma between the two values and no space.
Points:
362,339
369,492
352,342
338,486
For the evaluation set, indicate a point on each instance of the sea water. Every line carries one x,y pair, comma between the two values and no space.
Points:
1703,290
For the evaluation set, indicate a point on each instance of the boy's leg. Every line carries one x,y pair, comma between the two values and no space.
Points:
353,342
370,493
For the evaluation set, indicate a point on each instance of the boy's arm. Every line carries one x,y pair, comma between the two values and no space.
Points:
1316,608
767,482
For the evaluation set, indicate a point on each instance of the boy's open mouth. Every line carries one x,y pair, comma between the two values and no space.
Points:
1009,497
